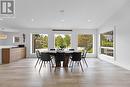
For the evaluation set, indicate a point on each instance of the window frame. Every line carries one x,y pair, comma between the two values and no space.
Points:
109,48
64,34
93,41
31,39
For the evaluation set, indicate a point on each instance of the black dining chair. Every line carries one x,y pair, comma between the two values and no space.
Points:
58,58
76,57
52,55
70,56
38,54
83,57
45,57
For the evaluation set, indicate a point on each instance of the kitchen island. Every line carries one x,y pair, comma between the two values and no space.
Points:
11,54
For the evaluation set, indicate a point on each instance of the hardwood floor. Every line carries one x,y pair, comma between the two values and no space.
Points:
99,74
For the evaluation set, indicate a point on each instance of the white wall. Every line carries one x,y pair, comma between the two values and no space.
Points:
9,40
1,41
121,21
51,34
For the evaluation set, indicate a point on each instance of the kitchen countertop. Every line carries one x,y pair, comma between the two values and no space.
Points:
7,47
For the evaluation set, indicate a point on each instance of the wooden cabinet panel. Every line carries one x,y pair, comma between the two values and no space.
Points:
5,55
13,54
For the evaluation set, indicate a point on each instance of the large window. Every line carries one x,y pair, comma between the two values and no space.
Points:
40,42
85,42
106,43
62,41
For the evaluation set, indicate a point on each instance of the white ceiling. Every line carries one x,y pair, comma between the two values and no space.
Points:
85,14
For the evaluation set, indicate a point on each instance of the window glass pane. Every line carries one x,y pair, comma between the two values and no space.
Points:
62,41
106,43
106,39
85,42
40,42
108,52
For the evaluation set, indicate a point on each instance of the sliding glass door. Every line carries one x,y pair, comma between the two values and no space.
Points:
39,42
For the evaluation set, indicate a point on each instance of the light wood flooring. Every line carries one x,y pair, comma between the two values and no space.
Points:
99,74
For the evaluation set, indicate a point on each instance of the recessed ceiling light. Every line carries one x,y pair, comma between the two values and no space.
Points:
62,20
32,20
89,20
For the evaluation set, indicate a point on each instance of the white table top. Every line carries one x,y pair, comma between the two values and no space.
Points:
60,51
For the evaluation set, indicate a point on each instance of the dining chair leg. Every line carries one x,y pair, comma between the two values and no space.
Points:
40,66
55,68
44,63
81,66
85,62
72,65
37,62
40,61
50,65
78,63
